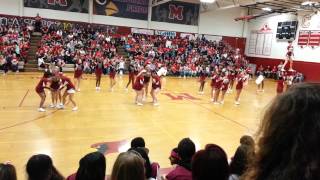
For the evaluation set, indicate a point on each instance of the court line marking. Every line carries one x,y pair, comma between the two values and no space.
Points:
24,97
28,121
218,114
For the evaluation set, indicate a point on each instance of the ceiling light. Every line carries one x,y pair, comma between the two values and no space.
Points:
207,1
267,9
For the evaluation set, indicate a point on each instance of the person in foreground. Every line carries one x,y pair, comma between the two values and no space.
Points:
289,146
91,167
7,171
128,166
40,167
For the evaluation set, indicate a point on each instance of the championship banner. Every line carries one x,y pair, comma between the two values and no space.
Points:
165,33
80,6
176,12
133,9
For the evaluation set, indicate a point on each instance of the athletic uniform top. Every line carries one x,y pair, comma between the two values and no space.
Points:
241,80
218,83
67,82
213,79
55,85
225,84
156,83
138,84
40,86
290,51
280,86
98,70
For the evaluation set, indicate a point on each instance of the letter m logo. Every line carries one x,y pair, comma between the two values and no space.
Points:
59,2
175,12
181,96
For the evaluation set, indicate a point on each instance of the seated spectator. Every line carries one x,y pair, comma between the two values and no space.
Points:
210,163
3,64
242,157
186,149
40,167
174,156
128,166
289,146
14,63
150,175
91,167
138,142
7,171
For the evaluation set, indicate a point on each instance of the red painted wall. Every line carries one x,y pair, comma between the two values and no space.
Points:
310,70
235,42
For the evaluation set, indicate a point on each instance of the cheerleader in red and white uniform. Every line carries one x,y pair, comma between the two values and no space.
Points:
138,87
40,90
156,87
112,75
213,82
224,87
280,85
70,91
98,73
55,91
217,88
132,74
202,79
241,79
289,57
147,78
231,77
78,74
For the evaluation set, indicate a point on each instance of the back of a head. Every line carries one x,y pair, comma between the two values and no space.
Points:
247,140
289,146
92,167
186,149
142,152
137,142
210,163
40,167
241,159
7,172
128,166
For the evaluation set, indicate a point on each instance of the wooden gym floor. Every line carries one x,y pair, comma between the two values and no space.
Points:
108,120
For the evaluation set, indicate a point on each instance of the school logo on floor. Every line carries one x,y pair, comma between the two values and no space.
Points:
181,96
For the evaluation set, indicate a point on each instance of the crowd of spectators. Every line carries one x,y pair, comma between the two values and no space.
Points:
14,46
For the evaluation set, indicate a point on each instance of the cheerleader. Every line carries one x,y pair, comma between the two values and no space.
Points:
231,77
40,91
213,82
98,73
241,79
138,87
280,85
224,87
217,88
156,87
112,75
70,91
147,77
132,71
78,74
202,80
54,87
289,57
260,81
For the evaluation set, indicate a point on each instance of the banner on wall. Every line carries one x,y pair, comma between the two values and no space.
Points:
28,21
176,12
189,35
142,31
80,6
133,9
309,38
165,33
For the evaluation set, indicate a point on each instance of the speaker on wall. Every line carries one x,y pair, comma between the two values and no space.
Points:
287,30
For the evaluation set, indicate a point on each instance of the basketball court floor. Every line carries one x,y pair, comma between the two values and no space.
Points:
107,121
